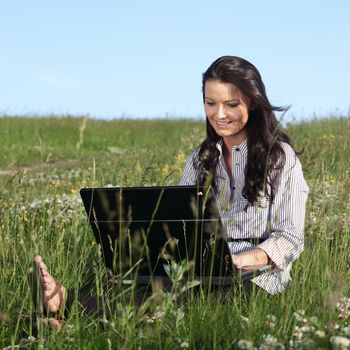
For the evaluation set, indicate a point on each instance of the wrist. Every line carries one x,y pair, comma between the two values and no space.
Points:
252,257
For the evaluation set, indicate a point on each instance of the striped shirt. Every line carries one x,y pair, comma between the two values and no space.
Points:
279,225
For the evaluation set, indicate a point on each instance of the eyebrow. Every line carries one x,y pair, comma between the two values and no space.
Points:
234,100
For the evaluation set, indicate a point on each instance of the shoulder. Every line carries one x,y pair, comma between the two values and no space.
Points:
288,150
191,159
194,154
290,176
291,158
189,174
292,165
286,164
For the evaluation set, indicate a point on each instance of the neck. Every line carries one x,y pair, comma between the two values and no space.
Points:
234,140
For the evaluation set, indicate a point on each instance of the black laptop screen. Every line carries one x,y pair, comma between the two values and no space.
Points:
152,226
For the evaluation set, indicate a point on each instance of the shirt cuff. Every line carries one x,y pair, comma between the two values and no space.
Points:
277,251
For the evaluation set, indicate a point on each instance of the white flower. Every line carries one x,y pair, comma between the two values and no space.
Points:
270,342
271,321
320,334
346,330
340,343
149,320
245,344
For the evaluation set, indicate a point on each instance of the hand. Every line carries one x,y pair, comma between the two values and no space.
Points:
250,258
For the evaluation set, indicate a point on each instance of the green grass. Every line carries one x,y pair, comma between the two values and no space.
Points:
41,212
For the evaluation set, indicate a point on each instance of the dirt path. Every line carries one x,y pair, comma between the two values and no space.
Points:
36,166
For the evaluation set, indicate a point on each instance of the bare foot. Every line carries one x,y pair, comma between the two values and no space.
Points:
54,323
51,322
55,293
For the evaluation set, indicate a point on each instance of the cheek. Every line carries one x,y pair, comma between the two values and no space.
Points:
244,115
208,112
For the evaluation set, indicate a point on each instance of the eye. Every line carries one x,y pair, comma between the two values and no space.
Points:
209,103
232,105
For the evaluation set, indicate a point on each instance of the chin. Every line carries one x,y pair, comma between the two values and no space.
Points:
225,133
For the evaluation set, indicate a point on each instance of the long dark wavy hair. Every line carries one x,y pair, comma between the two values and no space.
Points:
265,153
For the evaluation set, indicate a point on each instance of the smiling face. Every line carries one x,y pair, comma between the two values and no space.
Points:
227,110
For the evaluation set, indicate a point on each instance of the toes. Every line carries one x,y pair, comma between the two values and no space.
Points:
47,280
42,265
44,272
55,323
37,259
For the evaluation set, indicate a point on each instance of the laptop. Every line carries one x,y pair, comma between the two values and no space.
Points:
143,231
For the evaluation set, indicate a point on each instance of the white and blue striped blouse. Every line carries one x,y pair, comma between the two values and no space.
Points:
278,225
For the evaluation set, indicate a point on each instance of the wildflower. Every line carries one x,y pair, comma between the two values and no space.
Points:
180,157
271,321
159,314
245,344
270,342
138,168
320,334
166,170
104,320
343,306
4,318
184,345
244,319
340,343
330,178
346,331
298,334
149,320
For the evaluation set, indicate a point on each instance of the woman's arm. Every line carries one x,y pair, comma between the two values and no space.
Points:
250,258
287,213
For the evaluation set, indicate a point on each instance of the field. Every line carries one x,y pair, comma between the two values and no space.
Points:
45,161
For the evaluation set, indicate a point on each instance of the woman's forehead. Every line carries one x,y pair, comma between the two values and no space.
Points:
222,90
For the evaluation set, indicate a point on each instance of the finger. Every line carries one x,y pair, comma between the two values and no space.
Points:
237,261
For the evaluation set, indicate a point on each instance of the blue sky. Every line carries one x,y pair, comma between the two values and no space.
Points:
145,58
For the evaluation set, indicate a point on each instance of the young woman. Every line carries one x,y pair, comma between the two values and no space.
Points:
251,165
254,171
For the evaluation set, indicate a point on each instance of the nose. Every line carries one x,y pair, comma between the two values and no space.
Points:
221,113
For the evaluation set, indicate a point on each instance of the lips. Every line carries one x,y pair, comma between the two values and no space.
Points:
222,124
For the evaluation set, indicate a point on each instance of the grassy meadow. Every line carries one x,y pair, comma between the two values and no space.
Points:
45,161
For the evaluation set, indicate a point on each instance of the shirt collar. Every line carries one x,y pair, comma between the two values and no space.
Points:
243,147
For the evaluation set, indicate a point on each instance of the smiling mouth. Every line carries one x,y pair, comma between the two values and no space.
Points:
222,124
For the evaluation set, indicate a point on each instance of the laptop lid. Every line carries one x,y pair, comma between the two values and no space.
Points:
144,228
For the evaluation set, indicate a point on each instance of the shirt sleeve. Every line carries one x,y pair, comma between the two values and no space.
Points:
287,214
189,175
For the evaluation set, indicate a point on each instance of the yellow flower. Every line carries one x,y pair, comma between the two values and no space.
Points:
138,168
330,179
166,170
